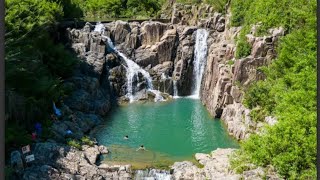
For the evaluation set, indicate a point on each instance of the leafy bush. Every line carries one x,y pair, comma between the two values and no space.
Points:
74,143
290,93
99,9
240,162
87,141
230,62
258,114
218,5
243,48
239,9
272,13
259,95
35,66
16,136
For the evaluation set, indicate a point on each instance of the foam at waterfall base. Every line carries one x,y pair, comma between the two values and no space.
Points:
195,96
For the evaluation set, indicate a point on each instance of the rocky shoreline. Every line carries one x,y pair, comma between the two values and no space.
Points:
166,51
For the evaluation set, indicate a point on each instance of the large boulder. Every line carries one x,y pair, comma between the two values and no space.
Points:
121,30
145,57
16,161
91,153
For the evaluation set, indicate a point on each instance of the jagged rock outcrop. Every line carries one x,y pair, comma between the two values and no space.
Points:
78,122
164,50
226,78
239,123
90,85
121,30
151,32
217,166
58,161
203,16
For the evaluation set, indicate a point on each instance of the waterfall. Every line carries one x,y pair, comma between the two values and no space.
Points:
153,174
175,89
133,69
200,57
99,27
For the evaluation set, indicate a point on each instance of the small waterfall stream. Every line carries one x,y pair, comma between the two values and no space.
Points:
175,89
152,174
200,57
133,70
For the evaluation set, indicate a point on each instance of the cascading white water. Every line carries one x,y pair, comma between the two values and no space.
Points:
200,57
99,27
133,69
152,174
175,89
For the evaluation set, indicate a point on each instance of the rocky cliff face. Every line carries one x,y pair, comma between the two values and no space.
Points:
166,51
226,78
152,45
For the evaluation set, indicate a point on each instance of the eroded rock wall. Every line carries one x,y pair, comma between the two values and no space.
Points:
226,78
161,49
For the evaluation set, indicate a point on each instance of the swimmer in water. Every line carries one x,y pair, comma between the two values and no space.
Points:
126,137
141,148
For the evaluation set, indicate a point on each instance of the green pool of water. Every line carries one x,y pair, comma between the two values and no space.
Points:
170,131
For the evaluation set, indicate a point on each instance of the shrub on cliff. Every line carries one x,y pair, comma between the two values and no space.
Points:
289,93
74,143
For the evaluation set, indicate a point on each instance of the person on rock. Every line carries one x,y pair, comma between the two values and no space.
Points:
38,128
126,137
141,148
34,136
68,133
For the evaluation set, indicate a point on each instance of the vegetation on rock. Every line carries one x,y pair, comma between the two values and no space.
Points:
288,93
218,5
102,9
35,65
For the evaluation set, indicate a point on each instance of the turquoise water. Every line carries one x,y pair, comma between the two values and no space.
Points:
170,131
